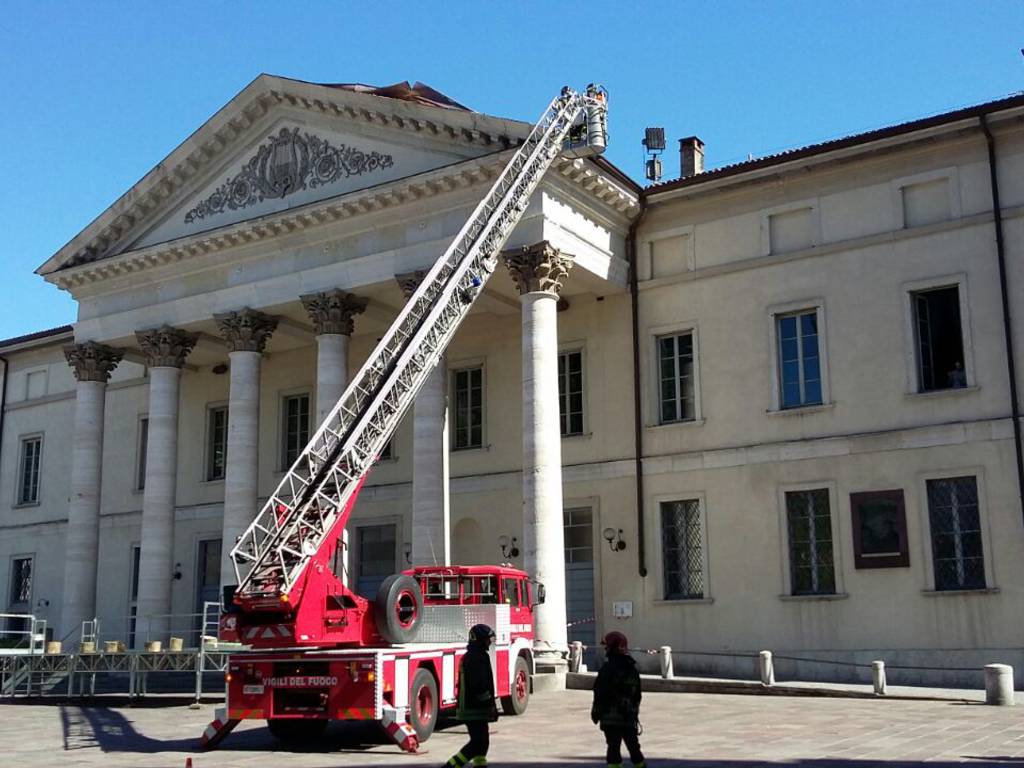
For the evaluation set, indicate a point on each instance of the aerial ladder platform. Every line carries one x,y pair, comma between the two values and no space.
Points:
287,594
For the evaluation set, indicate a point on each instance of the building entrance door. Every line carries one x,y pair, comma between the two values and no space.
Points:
207,583
579,578
376,553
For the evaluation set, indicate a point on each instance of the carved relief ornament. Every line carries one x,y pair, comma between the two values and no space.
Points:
410,281
91,361
245,330
538,268
284,164
333,311
166,347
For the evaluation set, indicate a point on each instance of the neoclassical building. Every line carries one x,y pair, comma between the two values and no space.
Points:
775,408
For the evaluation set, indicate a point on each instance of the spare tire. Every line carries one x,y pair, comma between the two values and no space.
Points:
398,609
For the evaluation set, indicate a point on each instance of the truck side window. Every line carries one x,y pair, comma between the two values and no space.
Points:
510,592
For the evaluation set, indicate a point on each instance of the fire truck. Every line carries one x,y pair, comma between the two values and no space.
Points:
317,650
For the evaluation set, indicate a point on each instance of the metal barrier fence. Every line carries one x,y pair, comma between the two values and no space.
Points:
27,632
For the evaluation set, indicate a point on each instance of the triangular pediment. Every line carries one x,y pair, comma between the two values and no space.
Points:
281,144
293,163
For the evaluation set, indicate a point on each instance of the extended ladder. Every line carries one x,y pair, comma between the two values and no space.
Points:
309,504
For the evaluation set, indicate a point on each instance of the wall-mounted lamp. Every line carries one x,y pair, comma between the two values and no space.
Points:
508,546
614,539
177,572
407,551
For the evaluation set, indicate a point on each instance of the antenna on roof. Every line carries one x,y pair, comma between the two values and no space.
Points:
654,142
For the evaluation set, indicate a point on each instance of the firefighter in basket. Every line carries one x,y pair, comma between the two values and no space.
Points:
476,706
617,702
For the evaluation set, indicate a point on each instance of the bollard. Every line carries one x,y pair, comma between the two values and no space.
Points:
766,668
999,685
575,655
878,677
666,662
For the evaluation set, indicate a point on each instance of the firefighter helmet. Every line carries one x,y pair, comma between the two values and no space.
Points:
615,642
482,635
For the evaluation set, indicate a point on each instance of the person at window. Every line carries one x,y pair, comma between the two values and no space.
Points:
476,707
957,378
616,705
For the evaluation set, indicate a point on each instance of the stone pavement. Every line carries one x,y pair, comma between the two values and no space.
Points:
682,731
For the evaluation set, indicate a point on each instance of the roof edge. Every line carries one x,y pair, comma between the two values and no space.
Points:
37,338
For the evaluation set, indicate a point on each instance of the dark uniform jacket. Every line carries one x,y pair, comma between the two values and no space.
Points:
476,687
617,693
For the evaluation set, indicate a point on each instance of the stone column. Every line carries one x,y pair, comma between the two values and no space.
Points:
92,364
538,272
333,314
246,333
166,349
431,511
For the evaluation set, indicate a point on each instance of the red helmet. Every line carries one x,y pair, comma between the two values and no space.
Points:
615,642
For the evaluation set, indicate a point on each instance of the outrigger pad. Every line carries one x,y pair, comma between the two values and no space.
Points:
217,729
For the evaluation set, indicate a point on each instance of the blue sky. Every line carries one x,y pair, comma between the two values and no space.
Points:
95,94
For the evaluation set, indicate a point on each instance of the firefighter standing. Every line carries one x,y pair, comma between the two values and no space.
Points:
476,706
617,701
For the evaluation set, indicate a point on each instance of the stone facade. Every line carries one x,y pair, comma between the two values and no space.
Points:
780,313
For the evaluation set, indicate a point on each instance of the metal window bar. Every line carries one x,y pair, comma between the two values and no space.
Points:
954,516
812,568
682,549
271,554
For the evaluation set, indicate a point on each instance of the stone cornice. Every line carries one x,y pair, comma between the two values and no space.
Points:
210,143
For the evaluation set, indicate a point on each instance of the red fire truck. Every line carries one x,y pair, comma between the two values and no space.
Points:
319,651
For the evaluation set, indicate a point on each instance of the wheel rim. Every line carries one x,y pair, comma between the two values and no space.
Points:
424,705
405,609
521,685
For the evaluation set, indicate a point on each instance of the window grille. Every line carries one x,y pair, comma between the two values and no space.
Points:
682,549
469,408
811,564
21,581
799,360
955,522
675,375
28,470
216,442
570,392
296,427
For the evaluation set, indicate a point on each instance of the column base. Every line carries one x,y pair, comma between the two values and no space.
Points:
552,667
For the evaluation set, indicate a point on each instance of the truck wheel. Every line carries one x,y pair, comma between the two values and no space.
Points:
296,732
424,704
398,609
519,696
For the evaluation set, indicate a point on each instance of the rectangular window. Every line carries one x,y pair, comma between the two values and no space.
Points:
216,442
21,583
578,525
570,392
939,337
133,595
140,469
955,522
675,375
682,549
295,428
811,566
28,470
799,359
469,408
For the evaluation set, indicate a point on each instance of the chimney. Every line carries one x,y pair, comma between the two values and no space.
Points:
691,157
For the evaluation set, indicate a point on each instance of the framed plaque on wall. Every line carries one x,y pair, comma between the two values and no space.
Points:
879,530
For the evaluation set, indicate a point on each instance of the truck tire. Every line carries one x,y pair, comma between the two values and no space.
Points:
519,695
296,732
398,609
424,704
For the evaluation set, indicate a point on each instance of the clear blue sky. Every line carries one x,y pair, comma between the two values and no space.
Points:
96,93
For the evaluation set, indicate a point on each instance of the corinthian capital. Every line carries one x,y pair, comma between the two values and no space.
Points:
91,361
333,311
538,268
245,330
166,347
410,281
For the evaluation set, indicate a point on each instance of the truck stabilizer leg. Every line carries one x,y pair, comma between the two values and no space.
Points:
217,729
400,731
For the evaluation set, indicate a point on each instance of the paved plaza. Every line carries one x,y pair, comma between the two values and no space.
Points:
691,730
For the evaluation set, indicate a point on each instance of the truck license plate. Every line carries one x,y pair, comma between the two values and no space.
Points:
252,690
